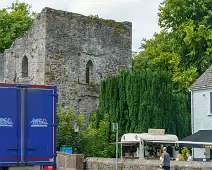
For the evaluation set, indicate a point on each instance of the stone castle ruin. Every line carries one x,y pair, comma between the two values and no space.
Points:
72,51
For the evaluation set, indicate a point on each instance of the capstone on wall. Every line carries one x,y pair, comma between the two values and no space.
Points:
72,51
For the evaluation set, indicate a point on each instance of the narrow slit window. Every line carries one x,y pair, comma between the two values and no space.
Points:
24,67
89,71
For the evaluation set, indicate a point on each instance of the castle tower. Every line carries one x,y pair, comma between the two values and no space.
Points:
72,51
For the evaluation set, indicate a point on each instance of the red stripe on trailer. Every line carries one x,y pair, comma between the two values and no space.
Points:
15,159
38,159
30,86
7,85
40,86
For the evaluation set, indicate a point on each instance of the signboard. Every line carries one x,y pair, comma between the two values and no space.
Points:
114,127
156,131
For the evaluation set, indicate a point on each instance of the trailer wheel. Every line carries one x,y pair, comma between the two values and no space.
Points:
3,168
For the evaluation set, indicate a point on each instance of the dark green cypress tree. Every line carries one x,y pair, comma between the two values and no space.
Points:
144,99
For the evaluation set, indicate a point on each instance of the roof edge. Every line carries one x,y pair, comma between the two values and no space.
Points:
196,88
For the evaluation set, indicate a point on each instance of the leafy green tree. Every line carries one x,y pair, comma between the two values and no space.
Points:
173,13
190,22
66,134
93,141
184,46
99,142
14,22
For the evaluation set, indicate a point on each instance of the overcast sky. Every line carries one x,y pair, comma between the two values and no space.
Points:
142,13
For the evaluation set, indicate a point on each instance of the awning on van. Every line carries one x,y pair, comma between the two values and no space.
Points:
135,138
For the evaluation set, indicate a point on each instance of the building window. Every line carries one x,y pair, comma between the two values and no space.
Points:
24,67
89,71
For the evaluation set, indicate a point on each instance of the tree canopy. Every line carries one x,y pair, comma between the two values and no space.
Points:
184,45
14,22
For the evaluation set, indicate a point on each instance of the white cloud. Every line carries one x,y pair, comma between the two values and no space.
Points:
142,13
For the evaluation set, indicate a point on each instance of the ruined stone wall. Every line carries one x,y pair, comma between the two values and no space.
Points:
62,48
73,41
31,46
2,67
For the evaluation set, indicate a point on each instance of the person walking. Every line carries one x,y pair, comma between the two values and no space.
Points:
165,159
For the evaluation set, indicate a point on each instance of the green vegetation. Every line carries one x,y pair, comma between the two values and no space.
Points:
14,22
93,142
184,46
136,101
96,19
184,153
144,99
155,95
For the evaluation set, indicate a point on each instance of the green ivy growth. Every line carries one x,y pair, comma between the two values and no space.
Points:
118,26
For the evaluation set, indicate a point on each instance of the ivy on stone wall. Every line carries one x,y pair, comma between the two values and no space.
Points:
142,100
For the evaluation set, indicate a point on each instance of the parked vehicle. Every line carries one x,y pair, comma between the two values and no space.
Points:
28,125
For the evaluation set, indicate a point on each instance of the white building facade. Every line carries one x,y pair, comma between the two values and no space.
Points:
201,110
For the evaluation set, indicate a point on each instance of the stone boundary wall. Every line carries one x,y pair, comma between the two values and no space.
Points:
136,164
70,162
77,162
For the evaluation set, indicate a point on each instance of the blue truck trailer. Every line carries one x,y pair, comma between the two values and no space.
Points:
28,125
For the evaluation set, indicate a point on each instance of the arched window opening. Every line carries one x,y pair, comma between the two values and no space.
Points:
24,67
89,71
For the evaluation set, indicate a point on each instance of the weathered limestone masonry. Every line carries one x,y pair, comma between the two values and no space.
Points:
136,164
72,51
80,52
2,64
25,60
70,162
75,162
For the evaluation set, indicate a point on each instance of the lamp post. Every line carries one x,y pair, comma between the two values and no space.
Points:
76,130
115,128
